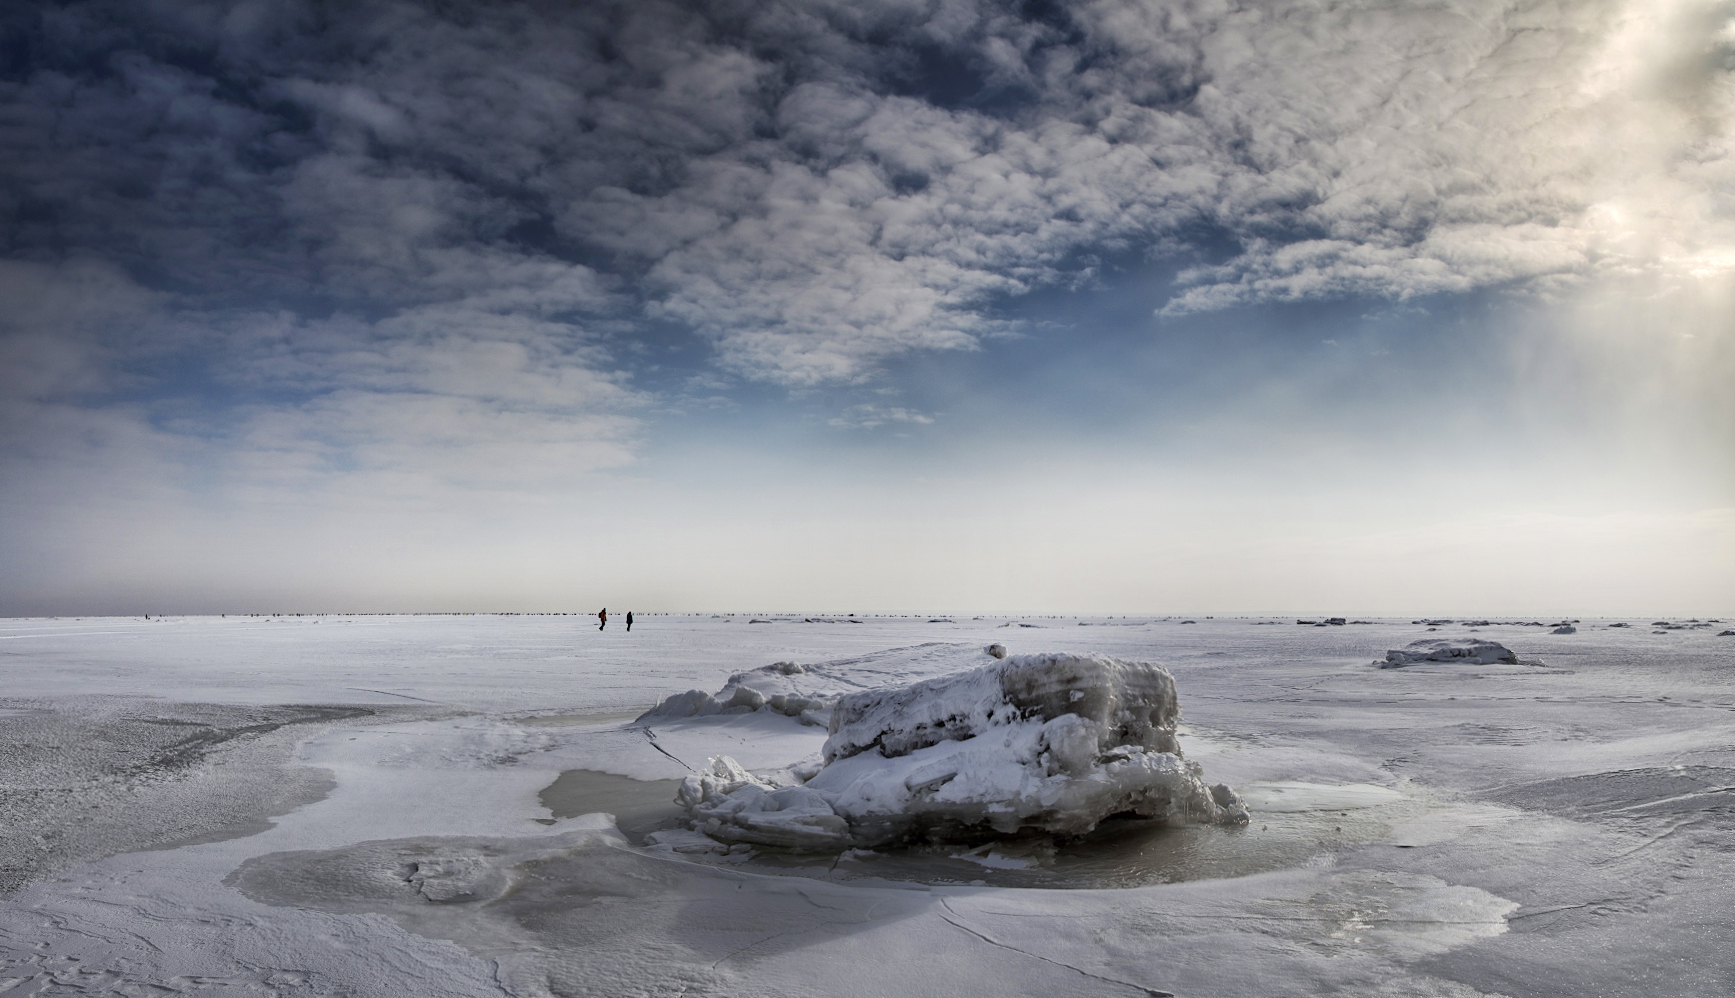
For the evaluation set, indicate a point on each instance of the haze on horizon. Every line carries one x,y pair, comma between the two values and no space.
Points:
1378,307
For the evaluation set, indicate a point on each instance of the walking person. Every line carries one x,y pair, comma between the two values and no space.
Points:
603,616
629,621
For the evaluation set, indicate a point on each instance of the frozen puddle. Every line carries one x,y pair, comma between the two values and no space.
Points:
1306,820
1120,854
577,913
639,806
1292,796
583,913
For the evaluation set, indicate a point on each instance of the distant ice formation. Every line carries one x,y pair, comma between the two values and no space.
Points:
1047,744
1469,651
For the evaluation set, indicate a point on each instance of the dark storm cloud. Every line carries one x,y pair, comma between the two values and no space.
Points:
811,186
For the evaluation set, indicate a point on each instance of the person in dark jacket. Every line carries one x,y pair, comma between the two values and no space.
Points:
629,621
603,616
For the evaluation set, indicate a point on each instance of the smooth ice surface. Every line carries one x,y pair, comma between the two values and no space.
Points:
639,807
357,806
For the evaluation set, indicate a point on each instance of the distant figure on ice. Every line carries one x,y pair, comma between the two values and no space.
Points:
603,616
629,621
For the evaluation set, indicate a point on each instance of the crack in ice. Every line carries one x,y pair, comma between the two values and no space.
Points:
775,935
1150,992
651,736
388,693
1653,840
1669,800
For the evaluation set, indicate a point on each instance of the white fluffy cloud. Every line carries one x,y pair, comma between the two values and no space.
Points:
1478,145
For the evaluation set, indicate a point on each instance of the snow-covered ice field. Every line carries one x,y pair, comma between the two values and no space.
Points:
377,806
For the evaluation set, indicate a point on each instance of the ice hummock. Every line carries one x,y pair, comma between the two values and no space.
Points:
1469,651
734,806
806,692
1030,744
756,689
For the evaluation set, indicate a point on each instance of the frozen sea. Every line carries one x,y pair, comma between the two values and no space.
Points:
453,805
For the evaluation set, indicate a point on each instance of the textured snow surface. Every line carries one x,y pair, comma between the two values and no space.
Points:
351,806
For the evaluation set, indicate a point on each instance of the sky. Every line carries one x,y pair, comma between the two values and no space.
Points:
1116,306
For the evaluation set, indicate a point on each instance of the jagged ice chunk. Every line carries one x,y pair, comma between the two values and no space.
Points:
1047,744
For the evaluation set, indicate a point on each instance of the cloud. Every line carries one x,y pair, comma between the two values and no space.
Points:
286,263
816,188
430,398
51,343
1479,145
456,220
867,416
480,394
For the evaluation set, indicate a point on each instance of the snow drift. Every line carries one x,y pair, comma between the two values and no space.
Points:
1042,744
1469,651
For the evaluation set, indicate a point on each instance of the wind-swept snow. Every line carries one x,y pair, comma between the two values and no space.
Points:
1395,824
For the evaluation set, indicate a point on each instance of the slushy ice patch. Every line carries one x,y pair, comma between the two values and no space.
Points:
1030,744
